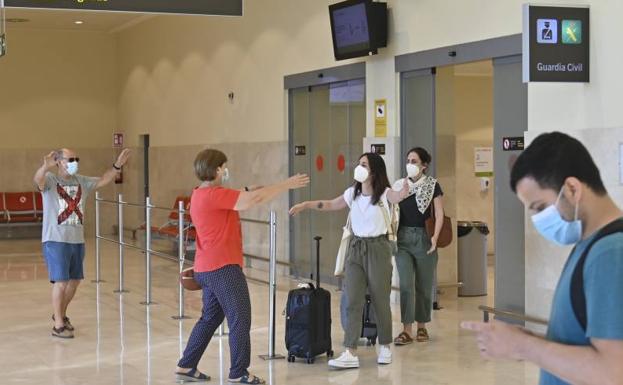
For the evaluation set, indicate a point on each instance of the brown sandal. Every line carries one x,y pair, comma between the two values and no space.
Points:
422,335
403,339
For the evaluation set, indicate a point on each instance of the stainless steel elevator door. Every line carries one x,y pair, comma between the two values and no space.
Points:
327,127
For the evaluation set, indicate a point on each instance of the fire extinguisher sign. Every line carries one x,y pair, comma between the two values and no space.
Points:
117,140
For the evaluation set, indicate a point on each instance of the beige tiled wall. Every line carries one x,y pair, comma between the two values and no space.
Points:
544,261
18,166
171,174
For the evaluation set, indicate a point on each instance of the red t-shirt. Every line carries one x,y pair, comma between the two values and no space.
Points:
219,234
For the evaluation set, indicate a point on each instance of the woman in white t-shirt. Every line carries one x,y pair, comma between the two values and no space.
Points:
368,261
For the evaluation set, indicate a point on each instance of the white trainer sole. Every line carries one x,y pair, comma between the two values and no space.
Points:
344,365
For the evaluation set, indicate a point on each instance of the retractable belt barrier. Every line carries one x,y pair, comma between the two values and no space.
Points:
180,258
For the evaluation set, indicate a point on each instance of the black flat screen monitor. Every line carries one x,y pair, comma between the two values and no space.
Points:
358,27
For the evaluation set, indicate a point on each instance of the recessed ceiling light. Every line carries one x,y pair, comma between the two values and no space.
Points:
78,22
16,20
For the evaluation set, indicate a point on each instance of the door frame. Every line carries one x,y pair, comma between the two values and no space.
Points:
324,76
496,49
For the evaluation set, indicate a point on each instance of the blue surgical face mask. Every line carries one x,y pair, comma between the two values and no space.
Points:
72,168
553,227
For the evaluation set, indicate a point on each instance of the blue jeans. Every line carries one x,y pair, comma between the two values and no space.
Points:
64,260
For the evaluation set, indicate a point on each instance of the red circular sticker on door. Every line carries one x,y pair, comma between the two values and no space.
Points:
341,163
319,163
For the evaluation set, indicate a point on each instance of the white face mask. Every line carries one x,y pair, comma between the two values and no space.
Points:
361,174
412,170
225,176
72,168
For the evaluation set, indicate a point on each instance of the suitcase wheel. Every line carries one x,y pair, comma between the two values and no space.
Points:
371,341
330,353
291,358
310,361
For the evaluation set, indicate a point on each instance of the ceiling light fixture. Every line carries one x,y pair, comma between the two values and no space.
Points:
78,22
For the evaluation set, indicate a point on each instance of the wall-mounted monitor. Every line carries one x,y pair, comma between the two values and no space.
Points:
358,28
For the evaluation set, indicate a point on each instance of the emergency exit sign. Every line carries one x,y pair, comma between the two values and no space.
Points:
556,44
190,7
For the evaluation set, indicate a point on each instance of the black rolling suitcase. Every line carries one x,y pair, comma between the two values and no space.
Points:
308,319
368,329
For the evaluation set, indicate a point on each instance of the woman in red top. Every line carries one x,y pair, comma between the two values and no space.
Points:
218,264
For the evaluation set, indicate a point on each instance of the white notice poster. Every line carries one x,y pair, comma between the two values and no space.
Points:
483,161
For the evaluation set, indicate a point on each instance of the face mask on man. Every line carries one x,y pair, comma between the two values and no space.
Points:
361,174
72,168
553,227
413,170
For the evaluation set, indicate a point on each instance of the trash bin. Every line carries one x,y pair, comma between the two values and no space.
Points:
472,258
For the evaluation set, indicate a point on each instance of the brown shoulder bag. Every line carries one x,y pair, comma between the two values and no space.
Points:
445,235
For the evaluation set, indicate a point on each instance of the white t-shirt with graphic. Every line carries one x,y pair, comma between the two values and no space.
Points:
366,219
64,207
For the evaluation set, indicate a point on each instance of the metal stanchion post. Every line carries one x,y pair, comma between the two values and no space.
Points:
98,264
180,256
121,259
147,253
221,330
272,289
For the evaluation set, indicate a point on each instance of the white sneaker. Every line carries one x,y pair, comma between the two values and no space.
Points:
385,355
345,361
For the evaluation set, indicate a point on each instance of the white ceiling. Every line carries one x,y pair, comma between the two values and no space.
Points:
65,19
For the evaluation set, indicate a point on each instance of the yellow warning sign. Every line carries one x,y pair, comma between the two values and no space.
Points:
380,118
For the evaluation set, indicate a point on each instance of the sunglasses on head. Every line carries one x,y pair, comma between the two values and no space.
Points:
72,159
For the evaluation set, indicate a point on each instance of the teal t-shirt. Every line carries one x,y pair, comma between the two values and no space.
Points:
603,288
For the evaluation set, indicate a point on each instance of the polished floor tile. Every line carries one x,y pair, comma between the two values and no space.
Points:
120,341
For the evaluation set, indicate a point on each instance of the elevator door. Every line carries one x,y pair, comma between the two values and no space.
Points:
327,127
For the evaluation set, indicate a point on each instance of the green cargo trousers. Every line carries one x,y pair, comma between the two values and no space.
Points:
368,266
416,270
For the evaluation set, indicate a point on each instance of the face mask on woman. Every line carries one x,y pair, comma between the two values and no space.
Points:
413,170
361,174
225,177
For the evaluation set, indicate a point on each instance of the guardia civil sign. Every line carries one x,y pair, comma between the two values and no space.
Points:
556,45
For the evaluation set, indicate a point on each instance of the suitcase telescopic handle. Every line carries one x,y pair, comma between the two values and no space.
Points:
317,238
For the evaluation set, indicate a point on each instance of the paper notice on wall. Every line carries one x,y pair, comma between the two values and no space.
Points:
483,161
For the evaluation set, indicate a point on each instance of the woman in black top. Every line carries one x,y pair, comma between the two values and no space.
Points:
416,258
